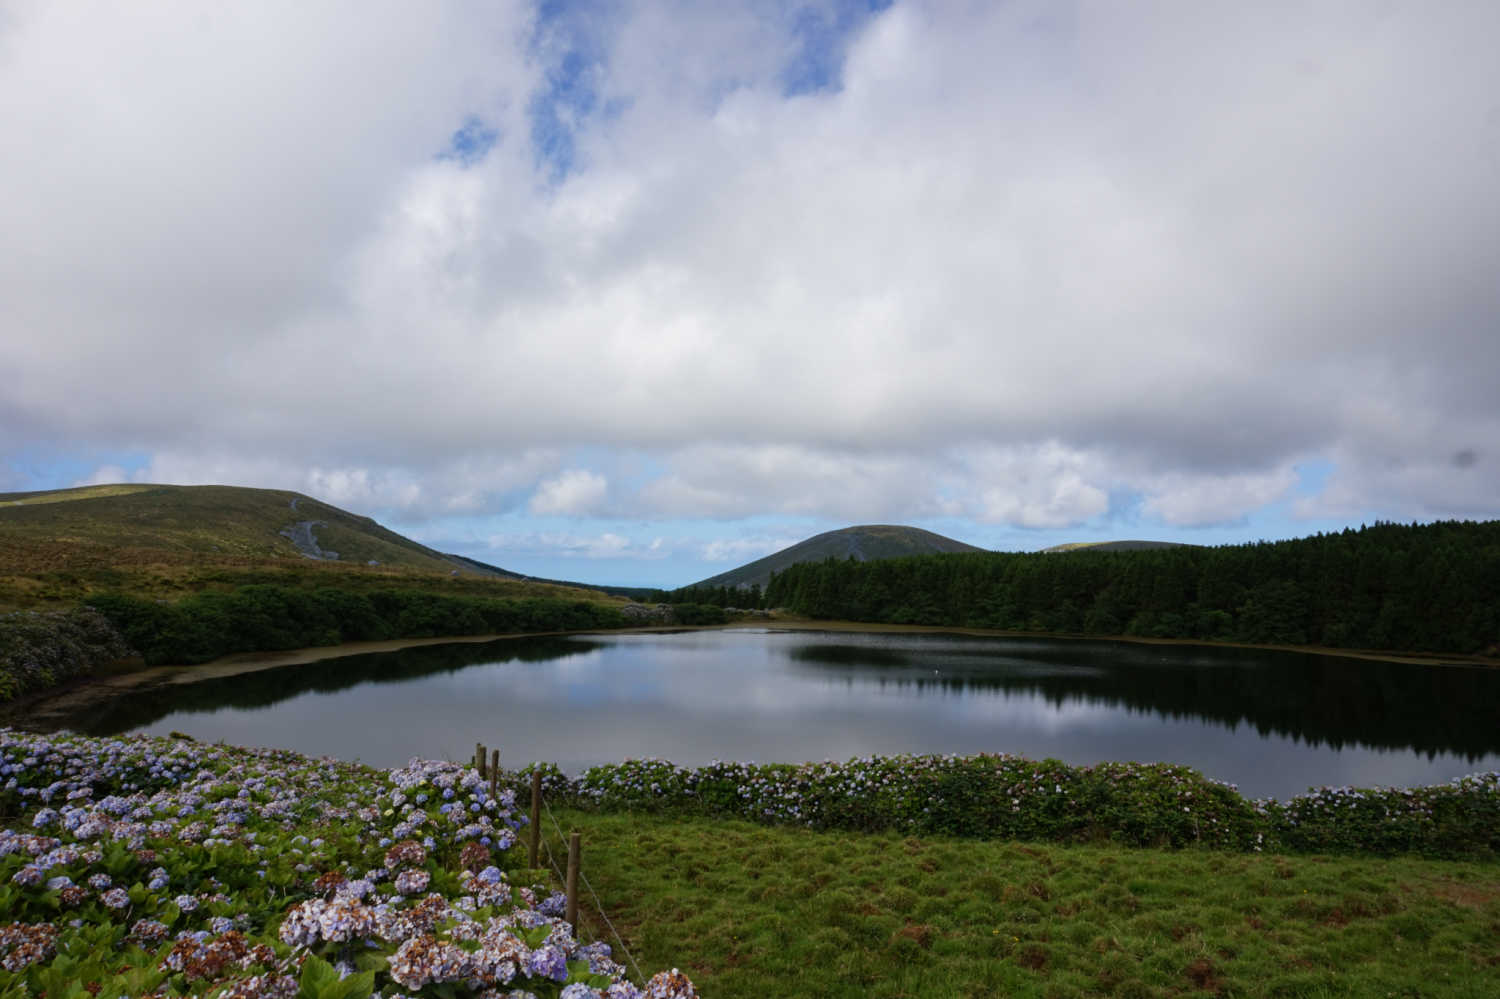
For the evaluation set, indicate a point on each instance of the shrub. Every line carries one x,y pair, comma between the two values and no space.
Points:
42,648
1009,797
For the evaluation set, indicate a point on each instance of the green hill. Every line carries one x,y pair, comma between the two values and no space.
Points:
864,543
207,520
165,541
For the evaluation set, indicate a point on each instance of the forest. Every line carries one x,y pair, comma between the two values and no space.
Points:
1430,587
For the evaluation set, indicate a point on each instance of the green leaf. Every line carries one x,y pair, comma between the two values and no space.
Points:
354,987
317,974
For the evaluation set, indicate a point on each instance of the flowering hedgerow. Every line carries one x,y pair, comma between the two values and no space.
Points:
151,867
1009,797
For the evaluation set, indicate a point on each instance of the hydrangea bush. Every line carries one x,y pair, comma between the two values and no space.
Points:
1009,797
40,649
152,867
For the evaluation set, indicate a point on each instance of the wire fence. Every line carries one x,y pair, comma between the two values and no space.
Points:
598,905
488,766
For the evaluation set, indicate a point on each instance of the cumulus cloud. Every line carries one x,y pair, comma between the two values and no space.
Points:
1045,486
575,491
985,261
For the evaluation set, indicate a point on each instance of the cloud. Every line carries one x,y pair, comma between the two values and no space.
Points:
566,544
485,484
999,262
739,550
731,481
575,491
1045,486
1198,501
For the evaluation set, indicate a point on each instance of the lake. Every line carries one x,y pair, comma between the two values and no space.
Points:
1273,723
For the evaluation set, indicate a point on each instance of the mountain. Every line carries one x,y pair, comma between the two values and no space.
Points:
162,541
863,544
1116,546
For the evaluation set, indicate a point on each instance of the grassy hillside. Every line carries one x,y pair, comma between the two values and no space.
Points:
56,547
864,543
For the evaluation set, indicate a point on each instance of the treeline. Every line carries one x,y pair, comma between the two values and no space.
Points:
1433,587
743,598
265,618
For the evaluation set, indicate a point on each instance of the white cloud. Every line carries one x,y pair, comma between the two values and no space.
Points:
1195,501
575,491
739,550
1045,486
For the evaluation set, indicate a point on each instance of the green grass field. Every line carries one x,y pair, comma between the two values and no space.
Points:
753,911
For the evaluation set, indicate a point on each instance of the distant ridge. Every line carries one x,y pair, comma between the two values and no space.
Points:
863,544
1117,546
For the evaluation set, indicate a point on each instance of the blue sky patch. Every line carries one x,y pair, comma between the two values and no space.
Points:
471,142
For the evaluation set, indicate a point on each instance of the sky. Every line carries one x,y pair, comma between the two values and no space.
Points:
635,292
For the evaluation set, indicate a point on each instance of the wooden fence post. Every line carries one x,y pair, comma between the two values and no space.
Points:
479,758
536,812
494,773
574,849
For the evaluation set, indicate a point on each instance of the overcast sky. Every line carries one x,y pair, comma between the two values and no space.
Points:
634,292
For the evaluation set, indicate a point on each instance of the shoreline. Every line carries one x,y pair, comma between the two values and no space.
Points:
1370,655
45,710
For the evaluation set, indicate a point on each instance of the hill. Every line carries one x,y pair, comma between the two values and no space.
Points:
165,541
1116,546
863,544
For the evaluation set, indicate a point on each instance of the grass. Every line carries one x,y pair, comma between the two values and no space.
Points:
753,911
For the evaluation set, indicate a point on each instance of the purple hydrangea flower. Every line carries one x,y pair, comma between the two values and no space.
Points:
548,962
413,881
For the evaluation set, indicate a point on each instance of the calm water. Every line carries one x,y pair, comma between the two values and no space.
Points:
1273,723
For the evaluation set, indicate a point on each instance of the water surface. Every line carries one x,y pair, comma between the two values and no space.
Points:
1272,723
